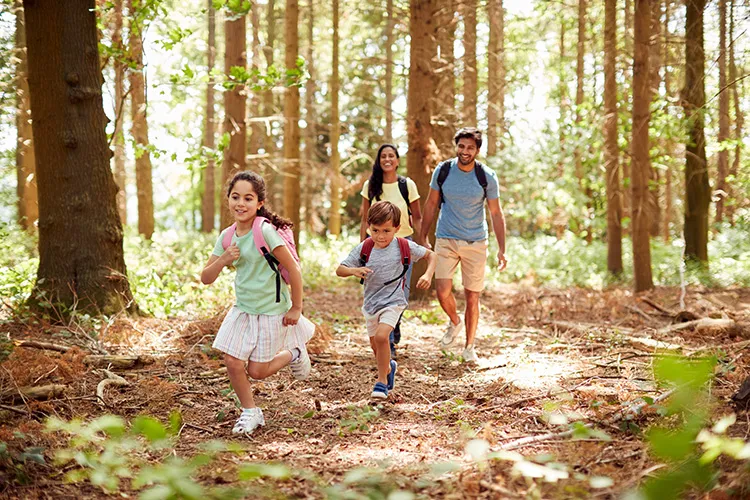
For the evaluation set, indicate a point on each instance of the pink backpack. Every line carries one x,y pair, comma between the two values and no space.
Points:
260,243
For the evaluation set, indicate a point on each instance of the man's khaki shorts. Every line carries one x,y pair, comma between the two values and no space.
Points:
471,255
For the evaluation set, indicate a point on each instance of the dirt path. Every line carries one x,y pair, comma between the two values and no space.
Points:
534,377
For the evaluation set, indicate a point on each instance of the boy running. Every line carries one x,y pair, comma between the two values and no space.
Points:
384,276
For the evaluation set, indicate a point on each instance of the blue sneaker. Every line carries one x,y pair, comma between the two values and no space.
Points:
392,376
380,391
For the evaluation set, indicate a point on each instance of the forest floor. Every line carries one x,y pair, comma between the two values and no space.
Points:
549,357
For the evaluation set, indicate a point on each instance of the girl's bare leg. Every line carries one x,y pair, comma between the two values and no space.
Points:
259,371
239,381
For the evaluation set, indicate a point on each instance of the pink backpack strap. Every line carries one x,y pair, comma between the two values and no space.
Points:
258,238
226,240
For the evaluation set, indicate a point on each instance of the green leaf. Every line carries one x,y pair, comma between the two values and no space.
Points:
254,471
724,423
175,422
158,492
150,428
110,424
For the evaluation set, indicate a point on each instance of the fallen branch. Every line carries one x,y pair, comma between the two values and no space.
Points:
639,312
656,344
117,361
699,325
34,344
112,379
35,392
517,443
587,327
658,307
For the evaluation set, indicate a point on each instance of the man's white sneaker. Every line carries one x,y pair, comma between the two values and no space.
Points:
249,420
469,355
301,367
450,333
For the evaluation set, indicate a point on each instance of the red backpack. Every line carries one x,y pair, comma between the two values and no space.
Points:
260,243
403,246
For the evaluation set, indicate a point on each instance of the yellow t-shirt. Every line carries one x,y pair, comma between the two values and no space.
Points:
391,193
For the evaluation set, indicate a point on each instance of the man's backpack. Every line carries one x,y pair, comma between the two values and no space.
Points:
403,188
445,169
403,246
260,243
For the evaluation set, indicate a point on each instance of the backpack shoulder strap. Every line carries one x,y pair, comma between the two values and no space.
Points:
258,238
364,254
226,240
403,246
481,176
445,169
403,187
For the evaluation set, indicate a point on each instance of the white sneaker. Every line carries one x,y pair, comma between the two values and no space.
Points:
249,420
469,355
451,331
301,367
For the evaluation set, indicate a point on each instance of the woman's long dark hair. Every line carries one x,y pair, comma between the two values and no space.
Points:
375,188
259,186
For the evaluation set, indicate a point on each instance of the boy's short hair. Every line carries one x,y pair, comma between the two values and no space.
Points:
382,212
469,133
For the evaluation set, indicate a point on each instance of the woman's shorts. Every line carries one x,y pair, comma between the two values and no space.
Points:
259,337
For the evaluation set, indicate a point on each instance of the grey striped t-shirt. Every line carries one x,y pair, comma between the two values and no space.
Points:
386,265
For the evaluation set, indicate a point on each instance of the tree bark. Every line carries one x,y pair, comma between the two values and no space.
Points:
120,98
291,121
640,148
138,110
444,103
697,191
235,101
611,149
496,77
389,72
276,179
723,160
208,202
564,103
420,157
668,181
580,48
81,262
334,219
655,62
738,117
28,207
469,10
257,132
311,174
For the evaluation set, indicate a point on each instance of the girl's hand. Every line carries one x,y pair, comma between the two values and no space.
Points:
231,254
424,282
361,272
292,316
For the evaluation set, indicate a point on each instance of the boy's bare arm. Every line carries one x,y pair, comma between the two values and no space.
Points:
425,280
359,272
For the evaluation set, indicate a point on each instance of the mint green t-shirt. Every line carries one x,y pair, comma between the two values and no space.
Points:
255,282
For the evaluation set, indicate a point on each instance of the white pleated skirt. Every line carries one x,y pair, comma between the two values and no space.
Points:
259,337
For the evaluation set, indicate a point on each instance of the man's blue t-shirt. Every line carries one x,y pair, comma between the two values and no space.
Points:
462,215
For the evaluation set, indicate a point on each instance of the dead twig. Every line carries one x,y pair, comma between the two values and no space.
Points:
34,344
112,379
656,306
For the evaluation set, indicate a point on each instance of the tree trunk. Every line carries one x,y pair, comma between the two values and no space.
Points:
235,55
669,143
580,48
120,98
444,104
697,191
738,117
291,121
496,77
611,149
81,262
334,220
276,179
257,132
28,208
655,63
311,175
469,10
640,148
627,76
723,163
208,202
389,72
564,103
138,103
420,157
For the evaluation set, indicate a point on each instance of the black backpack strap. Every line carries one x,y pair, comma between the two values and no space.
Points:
404,188
273,263
481,176
364,254
444,169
